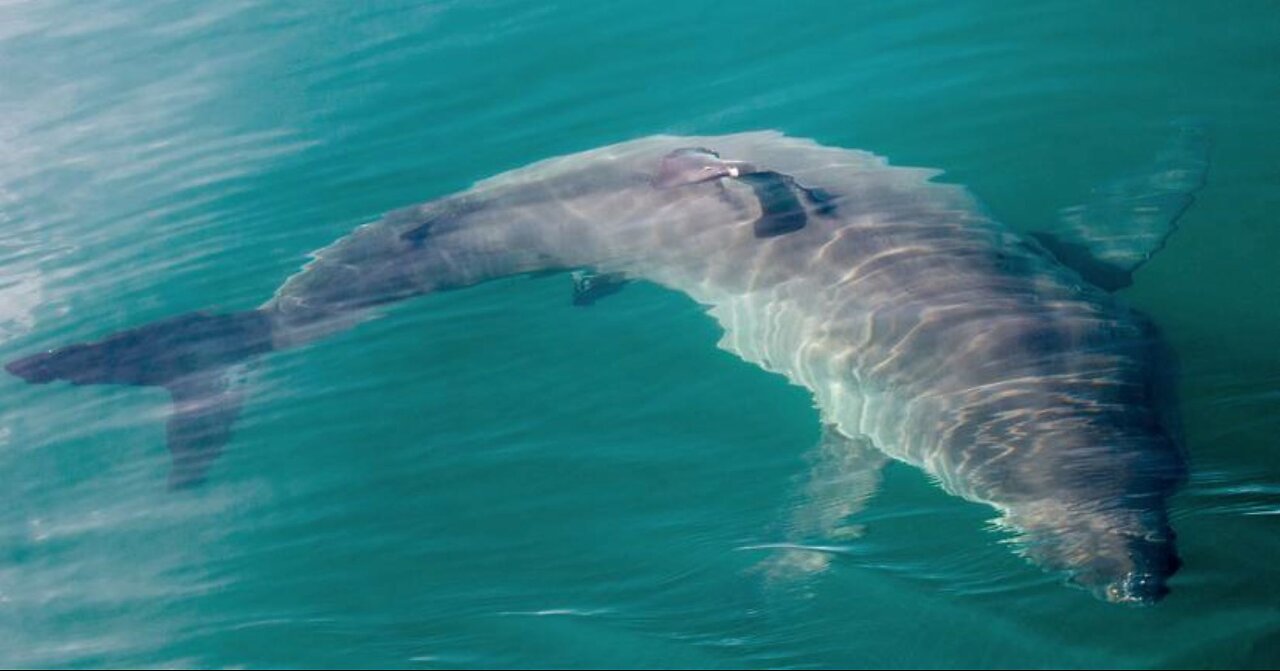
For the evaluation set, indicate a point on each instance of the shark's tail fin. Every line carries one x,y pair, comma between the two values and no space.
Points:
189,355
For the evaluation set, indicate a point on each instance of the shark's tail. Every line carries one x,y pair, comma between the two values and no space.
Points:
188,355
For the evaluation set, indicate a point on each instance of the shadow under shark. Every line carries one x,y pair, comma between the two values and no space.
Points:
1000,364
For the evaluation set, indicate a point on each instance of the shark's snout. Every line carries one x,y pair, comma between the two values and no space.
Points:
1140,577
1137,589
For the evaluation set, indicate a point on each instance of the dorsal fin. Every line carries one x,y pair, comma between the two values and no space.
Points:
780,209
1126,222
779,194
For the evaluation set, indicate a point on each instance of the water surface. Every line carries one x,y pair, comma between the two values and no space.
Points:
494,477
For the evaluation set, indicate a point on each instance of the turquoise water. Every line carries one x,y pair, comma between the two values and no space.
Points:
494,477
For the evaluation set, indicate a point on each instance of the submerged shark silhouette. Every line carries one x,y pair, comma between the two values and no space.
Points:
1000,364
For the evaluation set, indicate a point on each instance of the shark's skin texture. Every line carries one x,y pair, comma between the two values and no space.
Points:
920,326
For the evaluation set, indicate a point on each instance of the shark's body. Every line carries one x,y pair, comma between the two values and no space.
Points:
920,325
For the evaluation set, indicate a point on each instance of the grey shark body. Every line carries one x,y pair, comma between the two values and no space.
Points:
921,327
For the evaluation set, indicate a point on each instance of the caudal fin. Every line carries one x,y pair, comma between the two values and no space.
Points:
189,355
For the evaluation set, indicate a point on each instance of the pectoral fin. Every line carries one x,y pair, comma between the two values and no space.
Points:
590,286
845,475
1126,222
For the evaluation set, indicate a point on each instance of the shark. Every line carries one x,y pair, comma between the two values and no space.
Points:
1004,365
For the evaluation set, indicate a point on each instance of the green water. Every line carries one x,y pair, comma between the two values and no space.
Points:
494,477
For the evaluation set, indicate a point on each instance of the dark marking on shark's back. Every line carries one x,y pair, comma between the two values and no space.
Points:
418,234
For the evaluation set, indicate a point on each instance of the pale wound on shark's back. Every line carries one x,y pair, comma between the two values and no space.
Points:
785,205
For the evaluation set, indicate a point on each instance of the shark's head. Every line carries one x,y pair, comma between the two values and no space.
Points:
694,165
1101,517
1123,555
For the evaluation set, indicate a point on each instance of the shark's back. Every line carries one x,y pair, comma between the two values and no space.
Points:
914,318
